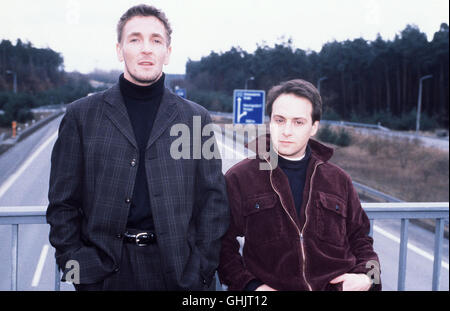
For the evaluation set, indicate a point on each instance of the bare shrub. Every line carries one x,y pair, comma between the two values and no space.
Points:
372,144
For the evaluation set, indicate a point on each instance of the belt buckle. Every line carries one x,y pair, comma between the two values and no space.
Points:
142,234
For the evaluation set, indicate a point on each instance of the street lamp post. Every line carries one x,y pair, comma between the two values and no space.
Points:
14,80
419,101
246,81
319,81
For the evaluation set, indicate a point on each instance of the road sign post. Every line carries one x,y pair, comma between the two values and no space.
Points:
248,106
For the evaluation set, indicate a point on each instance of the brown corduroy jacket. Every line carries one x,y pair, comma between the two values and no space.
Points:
288,252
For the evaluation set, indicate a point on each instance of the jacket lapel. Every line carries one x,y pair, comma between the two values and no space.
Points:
166,114
117,113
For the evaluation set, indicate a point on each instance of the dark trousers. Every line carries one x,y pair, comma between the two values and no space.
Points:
140,270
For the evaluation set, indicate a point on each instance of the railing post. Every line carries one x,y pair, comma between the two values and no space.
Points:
57,278
438,236
14,255
371,228
403,254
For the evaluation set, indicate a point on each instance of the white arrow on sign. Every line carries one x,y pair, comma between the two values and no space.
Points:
239,114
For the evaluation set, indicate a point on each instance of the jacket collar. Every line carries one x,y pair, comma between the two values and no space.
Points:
116,111
279,181
320,151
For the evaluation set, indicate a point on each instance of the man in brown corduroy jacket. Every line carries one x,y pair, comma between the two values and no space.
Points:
302,221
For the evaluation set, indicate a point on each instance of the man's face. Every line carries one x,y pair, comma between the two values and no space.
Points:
144,49
291,125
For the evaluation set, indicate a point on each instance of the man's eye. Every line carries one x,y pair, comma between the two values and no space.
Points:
300,122
133,40
279,120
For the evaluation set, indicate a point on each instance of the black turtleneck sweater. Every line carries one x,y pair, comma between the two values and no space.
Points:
142,104
296,174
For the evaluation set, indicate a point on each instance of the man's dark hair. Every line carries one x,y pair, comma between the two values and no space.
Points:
300,88
143,10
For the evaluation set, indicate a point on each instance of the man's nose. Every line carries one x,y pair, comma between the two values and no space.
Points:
287,129
147,47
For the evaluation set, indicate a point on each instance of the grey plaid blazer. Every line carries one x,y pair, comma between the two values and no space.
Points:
92,179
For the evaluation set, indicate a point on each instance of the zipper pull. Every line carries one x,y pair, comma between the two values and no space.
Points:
301,236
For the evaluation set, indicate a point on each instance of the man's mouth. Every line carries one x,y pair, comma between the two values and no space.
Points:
146,63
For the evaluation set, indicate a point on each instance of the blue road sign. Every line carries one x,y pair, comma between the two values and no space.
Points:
181,92
248,106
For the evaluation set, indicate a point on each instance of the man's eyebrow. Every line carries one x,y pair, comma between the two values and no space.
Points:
297,118
157,35
134,34
138,34
300,118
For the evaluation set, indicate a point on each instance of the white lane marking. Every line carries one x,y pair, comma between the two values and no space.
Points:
411,247
12,179
40,266
222,145
241,156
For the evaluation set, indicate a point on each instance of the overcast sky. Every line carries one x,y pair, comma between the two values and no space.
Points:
83,31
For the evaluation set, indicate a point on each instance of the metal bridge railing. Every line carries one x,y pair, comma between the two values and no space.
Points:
405,211
19,215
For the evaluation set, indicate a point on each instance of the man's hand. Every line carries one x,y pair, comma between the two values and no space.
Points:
265,288
353,282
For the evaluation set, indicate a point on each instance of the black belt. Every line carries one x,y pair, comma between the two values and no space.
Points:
140,239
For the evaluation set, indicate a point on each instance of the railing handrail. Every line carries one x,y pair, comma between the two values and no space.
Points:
357,124
373,210
407,210
34,210
16,215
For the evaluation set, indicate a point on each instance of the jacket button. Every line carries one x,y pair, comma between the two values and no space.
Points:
117,269
127,200
133,163
257,205
337,207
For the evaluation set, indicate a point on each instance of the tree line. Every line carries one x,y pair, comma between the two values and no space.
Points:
41,80
365,81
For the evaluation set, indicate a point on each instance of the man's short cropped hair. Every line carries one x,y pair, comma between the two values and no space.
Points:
143,10
300,88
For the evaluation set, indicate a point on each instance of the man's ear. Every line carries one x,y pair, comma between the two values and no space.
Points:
119,52
169,52
315,128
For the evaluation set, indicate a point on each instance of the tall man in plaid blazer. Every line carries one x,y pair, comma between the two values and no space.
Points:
124,213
